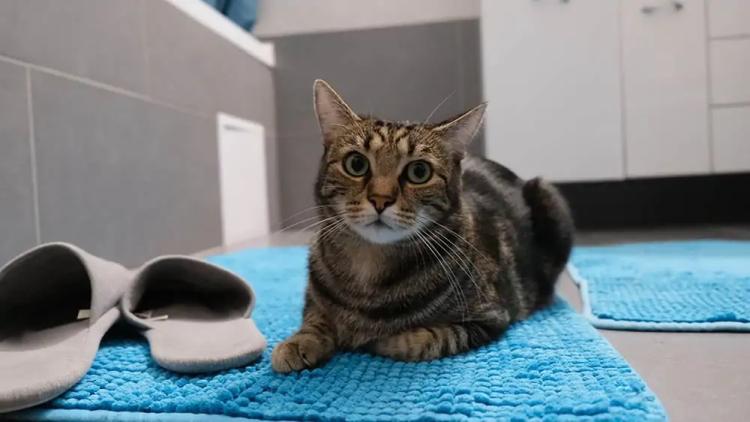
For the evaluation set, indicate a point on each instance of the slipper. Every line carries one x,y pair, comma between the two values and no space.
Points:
195,315
56,303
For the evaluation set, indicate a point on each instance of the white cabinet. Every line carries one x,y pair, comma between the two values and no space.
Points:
731,130
665,87
729,64
730,71
728,18
607,89
552,78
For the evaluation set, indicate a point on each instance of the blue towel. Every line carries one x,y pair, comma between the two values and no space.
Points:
553,366
241,12
680,286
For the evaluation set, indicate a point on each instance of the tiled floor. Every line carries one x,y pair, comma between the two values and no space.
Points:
697,376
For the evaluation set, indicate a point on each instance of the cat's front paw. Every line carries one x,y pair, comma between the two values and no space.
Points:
415,345
301,351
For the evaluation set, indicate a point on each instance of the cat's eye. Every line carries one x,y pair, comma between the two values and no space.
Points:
356,164
418,172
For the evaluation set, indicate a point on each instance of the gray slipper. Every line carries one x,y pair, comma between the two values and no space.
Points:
56,303
195,315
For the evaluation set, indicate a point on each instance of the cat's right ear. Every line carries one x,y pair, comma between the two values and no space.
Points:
333,113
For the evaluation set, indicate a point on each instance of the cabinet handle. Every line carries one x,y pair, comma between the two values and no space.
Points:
675,6
561,1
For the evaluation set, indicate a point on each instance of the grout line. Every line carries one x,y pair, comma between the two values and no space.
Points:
709,91
623,103
32,150
102,86
273,37
728,37
739,104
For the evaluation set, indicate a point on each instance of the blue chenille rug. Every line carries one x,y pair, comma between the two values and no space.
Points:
674,286
554,366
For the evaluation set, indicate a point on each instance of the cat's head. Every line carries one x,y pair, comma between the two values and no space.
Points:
388,180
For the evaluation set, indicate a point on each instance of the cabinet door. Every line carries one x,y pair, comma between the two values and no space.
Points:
665,80
730,71
551,73
731,129
728,18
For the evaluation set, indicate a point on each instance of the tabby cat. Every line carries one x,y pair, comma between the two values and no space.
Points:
422,251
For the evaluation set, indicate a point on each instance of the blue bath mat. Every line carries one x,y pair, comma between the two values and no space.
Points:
553,366
674,286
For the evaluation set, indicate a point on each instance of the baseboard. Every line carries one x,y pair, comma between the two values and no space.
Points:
664,201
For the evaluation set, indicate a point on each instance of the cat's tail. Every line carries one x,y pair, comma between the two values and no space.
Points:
553,229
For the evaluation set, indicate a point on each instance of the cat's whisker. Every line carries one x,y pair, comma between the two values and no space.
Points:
336,230
308,209
454,251
448,273
314,220
419,250
458,236
320,234
329,231
427,120
449,252
451,243
307,220
320,224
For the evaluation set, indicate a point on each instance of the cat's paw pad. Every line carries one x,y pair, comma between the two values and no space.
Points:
297,353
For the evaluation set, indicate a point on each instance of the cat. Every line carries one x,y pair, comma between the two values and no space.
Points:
422,251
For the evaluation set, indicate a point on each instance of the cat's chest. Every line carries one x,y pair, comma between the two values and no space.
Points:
365,266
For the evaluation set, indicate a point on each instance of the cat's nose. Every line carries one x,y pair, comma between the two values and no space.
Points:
381,202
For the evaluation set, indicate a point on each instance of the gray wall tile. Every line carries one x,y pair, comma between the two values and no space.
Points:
100,40
470,60
192,67
396,73
17,227
123,178
262,109
259,95
470,72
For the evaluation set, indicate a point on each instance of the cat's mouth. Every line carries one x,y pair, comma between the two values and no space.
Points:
380,231
379,224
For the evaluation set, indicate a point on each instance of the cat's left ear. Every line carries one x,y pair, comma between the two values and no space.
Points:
460,130
333,113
